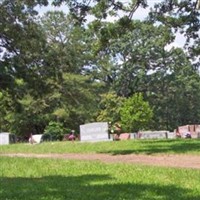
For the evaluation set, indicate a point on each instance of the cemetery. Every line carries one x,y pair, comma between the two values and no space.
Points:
7,138
99,131
99,100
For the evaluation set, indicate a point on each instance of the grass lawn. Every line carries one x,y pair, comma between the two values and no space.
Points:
59,179
181,146
50,179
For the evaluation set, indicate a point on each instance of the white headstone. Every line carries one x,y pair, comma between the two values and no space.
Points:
37,138
97,131
4,138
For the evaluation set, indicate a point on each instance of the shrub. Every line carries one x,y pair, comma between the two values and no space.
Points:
55,129
135,113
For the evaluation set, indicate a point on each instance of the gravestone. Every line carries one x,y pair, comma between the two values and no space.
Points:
133,135
97,131
153,135
183,130
37,138
4,138
125,136
171,135
194,130
197,130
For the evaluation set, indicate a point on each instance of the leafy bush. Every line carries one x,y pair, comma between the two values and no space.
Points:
55,129
46,137
135,113
109,107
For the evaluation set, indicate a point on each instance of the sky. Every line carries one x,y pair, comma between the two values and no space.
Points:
140,14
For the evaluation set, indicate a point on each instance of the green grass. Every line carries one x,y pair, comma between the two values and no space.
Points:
46,179
59,179
181,146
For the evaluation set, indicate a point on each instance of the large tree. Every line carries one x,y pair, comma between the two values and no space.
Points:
22,44
69,88
182,17
42,70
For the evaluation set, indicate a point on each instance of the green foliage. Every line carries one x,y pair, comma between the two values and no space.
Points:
100,9
174,96
110,105
61,113
69,89
135,113
6,114
185,20
44,78
46,137
53,68
55,129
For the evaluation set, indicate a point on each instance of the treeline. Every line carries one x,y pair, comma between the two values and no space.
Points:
63,68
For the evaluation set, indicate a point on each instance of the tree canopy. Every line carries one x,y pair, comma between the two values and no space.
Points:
79,66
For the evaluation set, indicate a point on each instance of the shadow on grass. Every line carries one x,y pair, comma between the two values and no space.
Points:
160,146
87,187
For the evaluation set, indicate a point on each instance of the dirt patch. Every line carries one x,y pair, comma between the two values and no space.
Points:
180,161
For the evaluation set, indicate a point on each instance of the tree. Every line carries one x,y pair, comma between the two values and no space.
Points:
68,87
22,43
65,42
54,69
183,17
43,73
138,53
173,93
100,9
5,112
135,113
110,105
138,61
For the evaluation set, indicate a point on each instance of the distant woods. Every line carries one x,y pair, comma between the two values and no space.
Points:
78,67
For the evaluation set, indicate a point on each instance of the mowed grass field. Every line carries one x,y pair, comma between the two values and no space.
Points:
179,146
57,179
